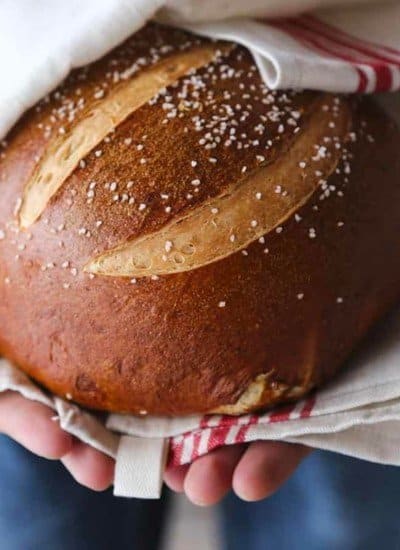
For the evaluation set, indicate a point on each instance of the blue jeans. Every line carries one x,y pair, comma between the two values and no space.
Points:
331,503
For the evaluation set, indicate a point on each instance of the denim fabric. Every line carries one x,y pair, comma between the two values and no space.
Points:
331,503
42,508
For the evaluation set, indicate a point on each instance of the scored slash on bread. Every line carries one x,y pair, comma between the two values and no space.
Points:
249,209
64,153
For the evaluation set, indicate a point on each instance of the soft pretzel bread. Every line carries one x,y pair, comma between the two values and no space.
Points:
176,238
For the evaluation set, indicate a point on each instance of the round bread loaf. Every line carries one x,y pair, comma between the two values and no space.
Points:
177,238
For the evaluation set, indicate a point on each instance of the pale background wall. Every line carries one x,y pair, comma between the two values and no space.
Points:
191,527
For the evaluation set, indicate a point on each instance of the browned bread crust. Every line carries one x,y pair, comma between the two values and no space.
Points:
210,245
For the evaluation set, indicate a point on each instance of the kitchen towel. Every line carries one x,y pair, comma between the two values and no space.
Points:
338,47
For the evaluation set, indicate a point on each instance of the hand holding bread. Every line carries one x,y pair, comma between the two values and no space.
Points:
33,426
253,473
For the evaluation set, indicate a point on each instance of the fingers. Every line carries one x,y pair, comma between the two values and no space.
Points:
209,478
30,424
254,473
264,467
174,477
89,467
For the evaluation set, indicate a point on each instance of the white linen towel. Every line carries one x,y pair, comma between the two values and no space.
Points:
341,49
